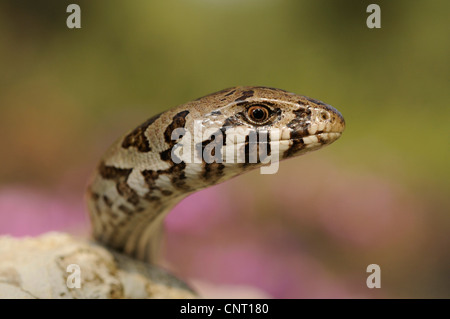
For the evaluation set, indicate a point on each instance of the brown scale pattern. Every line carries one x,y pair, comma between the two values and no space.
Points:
145,153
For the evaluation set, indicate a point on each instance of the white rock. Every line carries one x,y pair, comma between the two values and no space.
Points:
37,268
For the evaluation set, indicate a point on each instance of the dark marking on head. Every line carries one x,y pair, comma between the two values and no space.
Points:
278,112
210,150
137,137
166,155
302,113
264,149
178,121
216,112
245,95
228,94
296,146
299,132
250,150
300,124
321,140
256,147
229,123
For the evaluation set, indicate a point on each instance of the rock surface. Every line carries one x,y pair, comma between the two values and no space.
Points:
48,265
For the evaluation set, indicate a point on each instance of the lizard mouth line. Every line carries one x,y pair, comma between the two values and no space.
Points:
319,138
335,134
328,136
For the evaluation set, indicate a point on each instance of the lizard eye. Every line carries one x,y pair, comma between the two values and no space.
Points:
258,114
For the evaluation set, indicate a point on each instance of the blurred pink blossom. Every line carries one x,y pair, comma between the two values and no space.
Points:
268,236
200,211
26,212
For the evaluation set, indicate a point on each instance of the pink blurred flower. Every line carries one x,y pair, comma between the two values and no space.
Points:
25,212
252,260
200,211
211,238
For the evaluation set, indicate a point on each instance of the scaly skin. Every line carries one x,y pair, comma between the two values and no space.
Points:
138,180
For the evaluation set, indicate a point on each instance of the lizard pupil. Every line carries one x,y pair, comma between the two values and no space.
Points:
258,114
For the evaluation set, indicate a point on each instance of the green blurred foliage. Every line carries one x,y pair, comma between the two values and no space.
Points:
66,94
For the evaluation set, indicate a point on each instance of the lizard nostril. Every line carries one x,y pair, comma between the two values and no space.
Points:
325,116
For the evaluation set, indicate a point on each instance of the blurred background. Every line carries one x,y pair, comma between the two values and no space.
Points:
378,195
